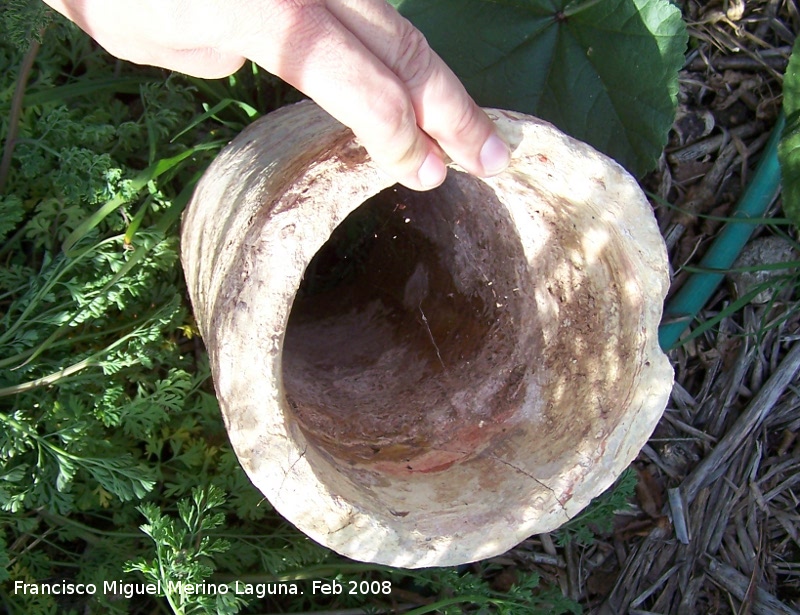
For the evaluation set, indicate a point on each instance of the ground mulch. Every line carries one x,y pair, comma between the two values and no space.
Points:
715,526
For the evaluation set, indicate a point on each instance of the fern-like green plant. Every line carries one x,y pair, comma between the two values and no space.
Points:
598,517
106,407
184,552
24,21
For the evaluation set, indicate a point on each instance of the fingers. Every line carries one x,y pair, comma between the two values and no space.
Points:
358,59
326,61
373,71
443,109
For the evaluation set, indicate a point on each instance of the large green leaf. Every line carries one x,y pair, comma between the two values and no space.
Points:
603,71
789,147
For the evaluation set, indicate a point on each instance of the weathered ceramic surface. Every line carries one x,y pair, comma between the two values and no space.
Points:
492,367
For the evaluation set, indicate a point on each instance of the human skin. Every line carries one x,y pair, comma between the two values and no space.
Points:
360,60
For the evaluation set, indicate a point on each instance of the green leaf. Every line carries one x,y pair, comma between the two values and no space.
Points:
25,21
66,472
151,173
599,515
789,146
11,213
120,476
604,72
84,87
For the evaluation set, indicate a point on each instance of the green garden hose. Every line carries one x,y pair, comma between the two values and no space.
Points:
683,307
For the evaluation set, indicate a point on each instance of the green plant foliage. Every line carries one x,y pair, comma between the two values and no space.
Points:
100,405
25,20
184,552
599,516
115,467
789,146
604,72
459,593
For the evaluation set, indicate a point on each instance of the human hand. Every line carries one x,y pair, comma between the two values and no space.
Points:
358,59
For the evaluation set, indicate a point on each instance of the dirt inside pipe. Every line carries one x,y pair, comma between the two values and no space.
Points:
401,339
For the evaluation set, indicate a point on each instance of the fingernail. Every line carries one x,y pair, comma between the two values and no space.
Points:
432,172
495,155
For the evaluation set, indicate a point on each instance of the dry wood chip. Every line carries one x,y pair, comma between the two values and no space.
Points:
649,452
789,523
693,431
747,549
784,486
667,597
758,408
547,544
692,594
737,584
654,587
678,515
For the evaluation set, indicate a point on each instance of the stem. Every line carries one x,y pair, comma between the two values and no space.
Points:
177,609
16,108
85,530
92,360
17,234
28,547
77,339
50,378
66,265
42,441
